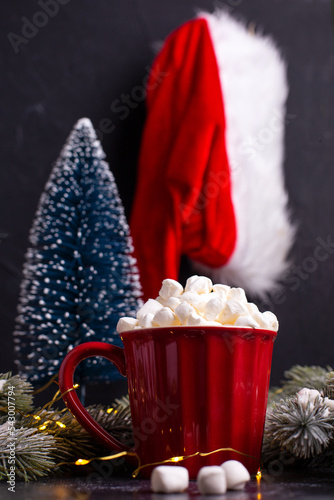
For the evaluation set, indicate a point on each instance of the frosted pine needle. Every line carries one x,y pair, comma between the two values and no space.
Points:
304,430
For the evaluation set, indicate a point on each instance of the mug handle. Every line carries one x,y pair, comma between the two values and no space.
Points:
66,374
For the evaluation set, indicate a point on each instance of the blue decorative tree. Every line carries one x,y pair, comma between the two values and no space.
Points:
79,277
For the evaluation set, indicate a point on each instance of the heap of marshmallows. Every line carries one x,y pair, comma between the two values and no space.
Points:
211,479
200,303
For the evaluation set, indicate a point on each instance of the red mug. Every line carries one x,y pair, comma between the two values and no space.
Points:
192,391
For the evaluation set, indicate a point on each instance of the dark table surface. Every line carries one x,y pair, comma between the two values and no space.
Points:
305,484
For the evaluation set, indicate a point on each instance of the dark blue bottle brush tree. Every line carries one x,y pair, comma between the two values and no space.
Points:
79,276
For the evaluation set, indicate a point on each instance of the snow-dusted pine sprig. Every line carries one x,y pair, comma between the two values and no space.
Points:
21,392
305,430
313,377
328,390
33,453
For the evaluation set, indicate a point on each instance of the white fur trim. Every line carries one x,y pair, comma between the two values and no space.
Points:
254,88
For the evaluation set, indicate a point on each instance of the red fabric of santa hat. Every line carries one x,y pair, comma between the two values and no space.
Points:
210,178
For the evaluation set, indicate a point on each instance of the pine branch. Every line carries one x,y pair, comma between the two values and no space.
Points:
23,394
298,377
328,390
304,430
33,453
312,377
72,441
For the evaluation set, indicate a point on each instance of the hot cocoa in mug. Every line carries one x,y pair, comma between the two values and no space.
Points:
194,390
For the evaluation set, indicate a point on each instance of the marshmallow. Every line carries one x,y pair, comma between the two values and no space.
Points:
161,301
170,288
261,320
231,311
213,307
201,284
173,302
252,308
271,319
169,479
204,298
166,317
191,297
246,321
199,304
147,321
236,474
189,281
211,480
195,319
151,306
125,324
182,311
238,294
222,290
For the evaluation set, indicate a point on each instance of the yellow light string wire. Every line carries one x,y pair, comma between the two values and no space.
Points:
258,481
81,461
41,389
181,458
57,396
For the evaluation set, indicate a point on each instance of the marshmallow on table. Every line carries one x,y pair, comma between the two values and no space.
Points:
211,480
125,324
200,284
169,479
170,288
236,474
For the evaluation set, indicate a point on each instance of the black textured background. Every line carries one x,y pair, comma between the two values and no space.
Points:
89,54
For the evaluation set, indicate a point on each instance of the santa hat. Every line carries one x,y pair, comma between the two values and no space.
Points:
210,179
